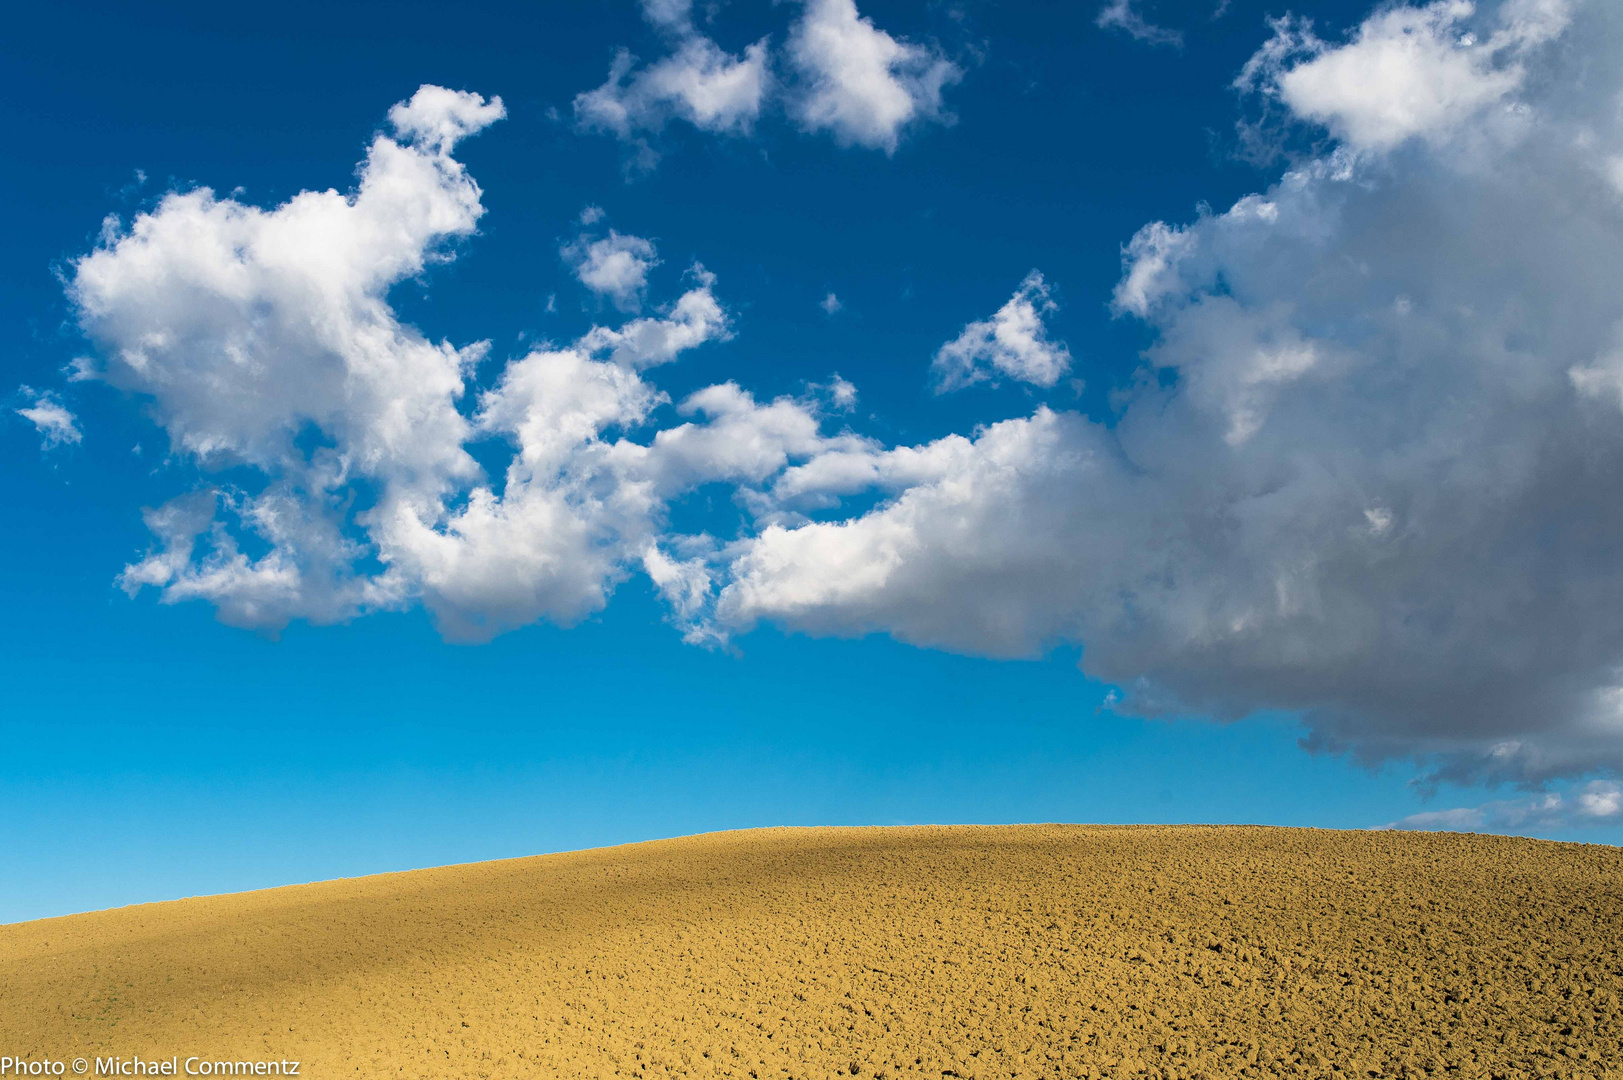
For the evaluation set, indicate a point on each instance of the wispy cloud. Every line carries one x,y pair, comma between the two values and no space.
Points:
1122,15
55,424
1600,802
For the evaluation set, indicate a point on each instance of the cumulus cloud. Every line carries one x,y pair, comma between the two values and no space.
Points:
436,119
263,339
697,82
858,82
674,15
1012,343
1365,476
249,328
842,394
695,318
1598,802
1123,15
1407,72
1147,264
55,424
844,76
614,267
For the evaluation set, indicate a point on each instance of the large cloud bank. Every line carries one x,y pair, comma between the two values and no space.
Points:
1369,476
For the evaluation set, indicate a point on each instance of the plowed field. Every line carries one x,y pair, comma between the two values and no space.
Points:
1018,952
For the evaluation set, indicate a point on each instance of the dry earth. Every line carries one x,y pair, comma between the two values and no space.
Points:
1040,951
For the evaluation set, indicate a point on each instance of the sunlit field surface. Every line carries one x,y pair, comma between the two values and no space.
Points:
1020,952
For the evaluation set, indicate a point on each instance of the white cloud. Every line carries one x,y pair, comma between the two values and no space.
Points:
695,318
246,327
676,15
615,266
245,324
831,304
699,83
436,119
1407,72
1123,15
842,394
1148,264
55,424
250,329
964,533
686,586
859,83
1366,475
1013,342
1598,802
846,77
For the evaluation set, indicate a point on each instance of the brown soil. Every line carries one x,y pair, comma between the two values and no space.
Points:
1032,951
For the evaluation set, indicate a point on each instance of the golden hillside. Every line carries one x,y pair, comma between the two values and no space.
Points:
1031,951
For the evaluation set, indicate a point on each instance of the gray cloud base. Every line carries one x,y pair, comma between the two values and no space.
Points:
1379,490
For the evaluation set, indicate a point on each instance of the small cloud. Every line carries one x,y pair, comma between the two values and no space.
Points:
55,424
1408,72
615,267
1379,519
673,15
841,394
1121,15
1599,802
831,304
859,83
689,587
436,119
591,215
837,72
136,183
699,82
1013,342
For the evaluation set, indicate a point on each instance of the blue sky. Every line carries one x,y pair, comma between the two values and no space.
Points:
1320,465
